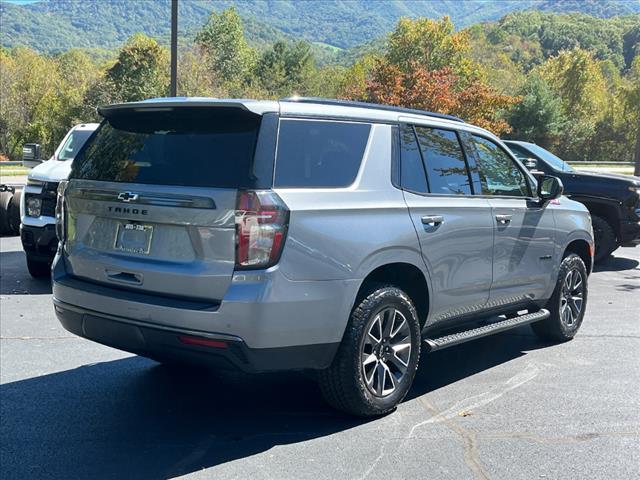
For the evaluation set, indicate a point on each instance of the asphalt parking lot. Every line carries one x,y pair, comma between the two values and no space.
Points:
503,407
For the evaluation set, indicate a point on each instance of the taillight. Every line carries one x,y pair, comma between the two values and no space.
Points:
60,211
261,227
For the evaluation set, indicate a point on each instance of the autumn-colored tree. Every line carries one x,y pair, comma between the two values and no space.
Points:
427,66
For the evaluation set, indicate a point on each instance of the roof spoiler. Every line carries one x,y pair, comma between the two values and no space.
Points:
169,103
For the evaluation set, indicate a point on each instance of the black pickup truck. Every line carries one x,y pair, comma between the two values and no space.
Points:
613,200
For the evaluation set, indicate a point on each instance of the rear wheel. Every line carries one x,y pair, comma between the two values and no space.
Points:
568,303
38,268
378,357
604,237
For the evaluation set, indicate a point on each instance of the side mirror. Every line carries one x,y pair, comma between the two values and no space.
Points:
530,163
31,155
549,188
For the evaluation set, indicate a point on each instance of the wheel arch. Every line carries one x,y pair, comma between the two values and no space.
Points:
405,276
608,210
583,249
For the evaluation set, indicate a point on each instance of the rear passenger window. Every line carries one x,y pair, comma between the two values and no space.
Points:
499,174
444,161
319,153
411,168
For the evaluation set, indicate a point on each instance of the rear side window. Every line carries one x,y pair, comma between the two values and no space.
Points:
200,147
445,163
314,153
499,174
412,174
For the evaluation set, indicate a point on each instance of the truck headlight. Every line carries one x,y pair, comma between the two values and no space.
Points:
34,206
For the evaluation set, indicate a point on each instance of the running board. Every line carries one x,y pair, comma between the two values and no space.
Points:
456,338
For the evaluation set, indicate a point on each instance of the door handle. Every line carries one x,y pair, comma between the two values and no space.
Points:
432,220
503,219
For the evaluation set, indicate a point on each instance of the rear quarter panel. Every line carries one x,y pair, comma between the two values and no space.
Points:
345,233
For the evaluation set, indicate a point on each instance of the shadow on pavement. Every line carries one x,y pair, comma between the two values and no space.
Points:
15,278
616,264
132,418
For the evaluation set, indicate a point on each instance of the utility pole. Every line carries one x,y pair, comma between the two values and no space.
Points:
174,48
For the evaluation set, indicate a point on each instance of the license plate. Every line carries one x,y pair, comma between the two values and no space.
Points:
134,238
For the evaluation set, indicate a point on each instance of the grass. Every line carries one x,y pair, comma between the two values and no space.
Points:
13,170
605,169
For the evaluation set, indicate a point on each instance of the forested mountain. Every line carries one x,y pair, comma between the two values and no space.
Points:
57,25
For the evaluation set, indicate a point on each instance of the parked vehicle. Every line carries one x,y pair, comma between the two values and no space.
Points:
38,203
613,200
10,209
333,236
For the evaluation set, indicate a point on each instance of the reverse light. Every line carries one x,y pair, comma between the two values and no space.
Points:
262,219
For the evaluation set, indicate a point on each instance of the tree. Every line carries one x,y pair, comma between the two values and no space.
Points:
229,56
286,69
577,78
30,102
539,117
141,70
631,96
433,44
427,66
195,79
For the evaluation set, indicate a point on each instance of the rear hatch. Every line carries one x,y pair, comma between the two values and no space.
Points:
151,201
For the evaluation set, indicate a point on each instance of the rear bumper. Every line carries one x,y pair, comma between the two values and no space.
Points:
267,321
39,242
630,233
171,344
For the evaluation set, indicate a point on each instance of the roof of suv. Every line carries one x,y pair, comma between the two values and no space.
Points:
301,106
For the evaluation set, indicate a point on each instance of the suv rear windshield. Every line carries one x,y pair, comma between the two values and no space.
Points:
200,147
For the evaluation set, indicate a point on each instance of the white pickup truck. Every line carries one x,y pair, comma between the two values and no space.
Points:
38,203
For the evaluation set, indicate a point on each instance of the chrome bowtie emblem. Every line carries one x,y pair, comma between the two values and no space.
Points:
127,196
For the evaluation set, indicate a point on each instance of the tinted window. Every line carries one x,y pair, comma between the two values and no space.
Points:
499,174
556,162
518,151
319,153
444,160
411,170
73,144
183,146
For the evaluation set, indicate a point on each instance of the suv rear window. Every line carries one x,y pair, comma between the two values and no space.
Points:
314,153
200,147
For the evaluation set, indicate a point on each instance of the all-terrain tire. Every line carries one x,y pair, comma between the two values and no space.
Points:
604,237
343,384
557,327
13,211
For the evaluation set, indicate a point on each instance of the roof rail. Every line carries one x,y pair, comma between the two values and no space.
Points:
351,103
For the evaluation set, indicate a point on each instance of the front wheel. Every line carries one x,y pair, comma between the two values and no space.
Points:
567,304
378,357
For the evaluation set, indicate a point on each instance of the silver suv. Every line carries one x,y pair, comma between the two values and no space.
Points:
340,237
